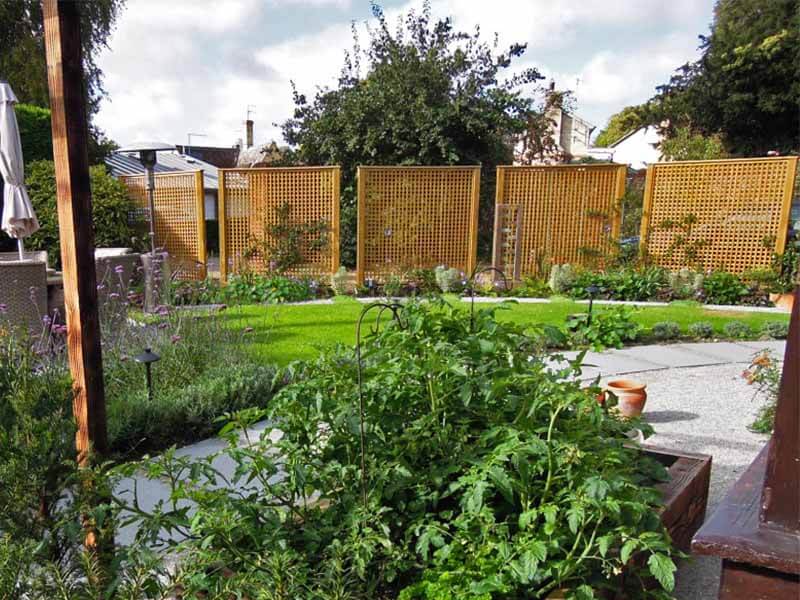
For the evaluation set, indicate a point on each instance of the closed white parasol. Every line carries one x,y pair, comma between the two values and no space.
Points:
19,219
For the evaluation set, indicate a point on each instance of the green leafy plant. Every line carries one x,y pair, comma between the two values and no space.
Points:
666,330
764,373
562,278
777,330
421,281
684,247
786,267
340,282
737,330
393,286
485,473
288,243
701,330
609,328
449,280
685,284
111,209
620,284
721,287
532,287
250,288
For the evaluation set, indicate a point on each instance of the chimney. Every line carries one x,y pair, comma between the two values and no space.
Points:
249,126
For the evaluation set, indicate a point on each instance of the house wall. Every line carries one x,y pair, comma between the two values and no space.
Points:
639,149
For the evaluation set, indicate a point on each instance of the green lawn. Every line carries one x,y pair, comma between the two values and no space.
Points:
284,333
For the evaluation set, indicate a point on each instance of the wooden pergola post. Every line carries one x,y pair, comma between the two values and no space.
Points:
756,528
70,133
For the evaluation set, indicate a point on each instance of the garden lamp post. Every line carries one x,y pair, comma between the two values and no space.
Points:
154,266
147,358
147,156
592,290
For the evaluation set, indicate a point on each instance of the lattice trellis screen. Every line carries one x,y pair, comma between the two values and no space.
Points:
179,220
416,217
250,201
733,214
569,215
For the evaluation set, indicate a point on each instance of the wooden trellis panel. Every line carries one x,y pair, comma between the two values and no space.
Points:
416,217
249,200
741,210
570,214
180,220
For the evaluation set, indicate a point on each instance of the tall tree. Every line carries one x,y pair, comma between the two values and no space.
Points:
22,60
628,119
428,95
746,85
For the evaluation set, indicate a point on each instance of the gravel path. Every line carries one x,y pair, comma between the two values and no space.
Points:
706,410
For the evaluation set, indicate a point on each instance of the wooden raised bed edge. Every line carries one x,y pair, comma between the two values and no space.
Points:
685,494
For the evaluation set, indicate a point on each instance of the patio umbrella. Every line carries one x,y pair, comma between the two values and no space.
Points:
19,219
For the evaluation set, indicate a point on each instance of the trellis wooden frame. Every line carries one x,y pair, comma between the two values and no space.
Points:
248,198
558,202
180,219
389,195
737,203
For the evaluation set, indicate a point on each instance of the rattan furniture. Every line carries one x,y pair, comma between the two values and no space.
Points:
23,294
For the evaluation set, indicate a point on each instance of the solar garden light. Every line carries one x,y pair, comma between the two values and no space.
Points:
592,290
147,358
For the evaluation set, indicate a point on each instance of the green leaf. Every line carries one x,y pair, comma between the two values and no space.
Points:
627,549
603,544
488,585
596,488
663,569
502,483
574,518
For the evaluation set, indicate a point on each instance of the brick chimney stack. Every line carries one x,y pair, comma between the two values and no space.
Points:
249,126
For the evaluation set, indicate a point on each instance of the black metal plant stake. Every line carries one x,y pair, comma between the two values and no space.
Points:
394,308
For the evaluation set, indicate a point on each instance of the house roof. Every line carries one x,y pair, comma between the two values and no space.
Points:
167,162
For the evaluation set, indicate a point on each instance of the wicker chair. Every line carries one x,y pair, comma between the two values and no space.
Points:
34,255
23,294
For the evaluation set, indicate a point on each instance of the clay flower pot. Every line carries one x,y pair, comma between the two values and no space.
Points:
631,396
783,301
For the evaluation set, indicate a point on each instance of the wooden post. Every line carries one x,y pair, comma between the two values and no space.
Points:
361,227
200,208
472,256
222,221
70,133
335,224
756,528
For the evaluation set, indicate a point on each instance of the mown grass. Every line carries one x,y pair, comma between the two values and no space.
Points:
283,333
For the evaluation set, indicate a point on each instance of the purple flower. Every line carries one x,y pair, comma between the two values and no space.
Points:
100,286
60,329
3,308
46,320
113,295
175,339
162,311
163,325
119,269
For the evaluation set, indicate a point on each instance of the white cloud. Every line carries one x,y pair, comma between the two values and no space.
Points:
186,65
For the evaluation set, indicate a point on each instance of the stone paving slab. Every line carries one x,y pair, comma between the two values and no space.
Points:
617,362
725,352
670,356
778,347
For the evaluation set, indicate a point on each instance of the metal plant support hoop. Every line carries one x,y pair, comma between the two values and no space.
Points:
396,308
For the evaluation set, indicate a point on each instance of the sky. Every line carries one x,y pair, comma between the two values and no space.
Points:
175,67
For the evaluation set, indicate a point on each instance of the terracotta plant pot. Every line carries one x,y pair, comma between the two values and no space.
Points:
631,396
783,301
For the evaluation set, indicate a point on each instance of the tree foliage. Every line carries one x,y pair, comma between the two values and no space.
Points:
424,94
22,56
34,132
110,207
628,119
745,87
685,145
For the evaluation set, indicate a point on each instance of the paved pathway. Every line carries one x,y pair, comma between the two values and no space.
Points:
697,402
